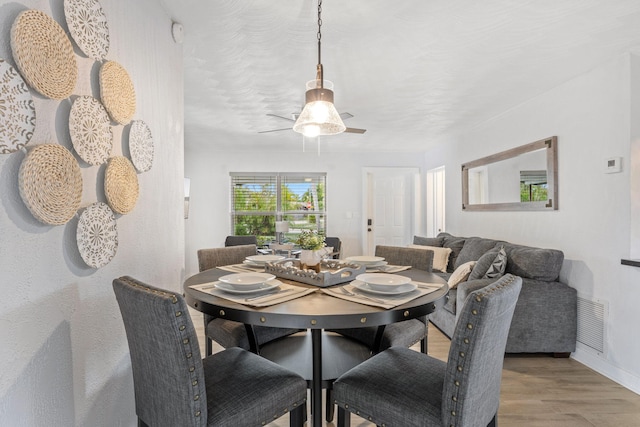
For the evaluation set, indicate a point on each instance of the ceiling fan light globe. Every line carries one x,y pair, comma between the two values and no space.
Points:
320,113
311,131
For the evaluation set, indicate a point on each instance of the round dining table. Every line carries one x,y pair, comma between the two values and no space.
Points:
316,311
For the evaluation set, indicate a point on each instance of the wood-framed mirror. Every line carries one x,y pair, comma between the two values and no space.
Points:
524,178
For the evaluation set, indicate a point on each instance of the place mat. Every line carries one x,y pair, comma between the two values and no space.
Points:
269,298
50,183
121,185
384,301
44,54
97,235
117,92
240,268
141,145
17,110
90,129
389,268
88,26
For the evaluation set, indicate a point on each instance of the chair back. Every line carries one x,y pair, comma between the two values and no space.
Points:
420,259
240,240
215,257
471,392
336,244
168,376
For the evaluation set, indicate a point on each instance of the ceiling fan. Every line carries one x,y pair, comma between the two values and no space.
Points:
295,116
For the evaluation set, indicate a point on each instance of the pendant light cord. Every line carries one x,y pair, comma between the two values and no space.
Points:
319,71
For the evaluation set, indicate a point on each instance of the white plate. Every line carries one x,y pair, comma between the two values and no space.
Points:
376,264
254,264
398,290
246,281
383,281
365,260
261,259
262,287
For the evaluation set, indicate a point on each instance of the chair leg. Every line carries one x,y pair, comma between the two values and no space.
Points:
330,406
297,416
423,346
208,350
344,417
493,422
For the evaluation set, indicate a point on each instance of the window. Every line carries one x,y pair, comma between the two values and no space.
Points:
258,200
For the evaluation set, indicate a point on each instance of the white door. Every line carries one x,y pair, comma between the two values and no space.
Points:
390,205
435,201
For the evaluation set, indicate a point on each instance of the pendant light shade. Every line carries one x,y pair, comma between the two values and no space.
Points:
319,116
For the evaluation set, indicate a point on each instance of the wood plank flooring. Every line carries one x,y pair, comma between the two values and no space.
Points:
537,391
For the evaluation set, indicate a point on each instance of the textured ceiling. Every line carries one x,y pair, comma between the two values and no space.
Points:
410,72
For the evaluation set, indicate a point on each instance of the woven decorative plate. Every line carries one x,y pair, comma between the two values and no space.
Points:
88,27
117,92
121,185
141,145
17,111
97,235
90,129
43,54
51,183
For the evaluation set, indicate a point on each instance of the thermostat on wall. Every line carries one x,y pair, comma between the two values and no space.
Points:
613,165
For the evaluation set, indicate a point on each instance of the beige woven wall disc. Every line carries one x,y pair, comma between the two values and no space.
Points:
50,183
117,92
43,54
121,185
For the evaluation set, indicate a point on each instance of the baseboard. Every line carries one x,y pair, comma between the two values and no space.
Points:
614,373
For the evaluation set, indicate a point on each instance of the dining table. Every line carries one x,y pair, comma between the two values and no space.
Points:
315,309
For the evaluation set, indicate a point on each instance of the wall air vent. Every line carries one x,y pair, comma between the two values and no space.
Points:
592,320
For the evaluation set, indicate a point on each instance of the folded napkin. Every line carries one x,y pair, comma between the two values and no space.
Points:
384,301
389,268
271,297
241,268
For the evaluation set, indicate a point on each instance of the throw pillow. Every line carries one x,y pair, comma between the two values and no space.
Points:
461,274
440,256
498,266
483,264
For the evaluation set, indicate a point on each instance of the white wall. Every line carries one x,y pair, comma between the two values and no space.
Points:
591,117
64,354
209,222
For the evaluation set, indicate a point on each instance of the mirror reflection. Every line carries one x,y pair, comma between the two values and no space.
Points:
523,178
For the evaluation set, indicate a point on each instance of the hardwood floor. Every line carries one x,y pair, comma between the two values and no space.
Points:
537,390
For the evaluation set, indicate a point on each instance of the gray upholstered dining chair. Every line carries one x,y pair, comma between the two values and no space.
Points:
403,387
229,333
409,332
240,240
174,386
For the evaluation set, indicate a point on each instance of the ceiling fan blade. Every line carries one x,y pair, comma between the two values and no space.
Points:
274,130
354,130
280,117
345,115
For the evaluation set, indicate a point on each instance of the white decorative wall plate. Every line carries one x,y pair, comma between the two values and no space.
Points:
50,183
43,54
88,27
121,185
17,111
141,145
117,92
97,235
90,129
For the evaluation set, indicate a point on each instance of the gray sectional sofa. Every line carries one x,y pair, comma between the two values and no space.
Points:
545,318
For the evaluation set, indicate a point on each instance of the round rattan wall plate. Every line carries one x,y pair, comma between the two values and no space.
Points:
43,54
97,235
141,146
117,92
121,185
17,110
90,129
88,27
50,183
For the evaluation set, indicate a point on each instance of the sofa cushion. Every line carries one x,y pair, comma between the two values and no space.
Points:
498,266
440,256
456,244
534,263
428,241
461,274
474,248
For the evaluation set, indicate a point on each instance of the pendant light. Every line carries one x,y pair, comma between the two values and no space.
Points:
319,116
